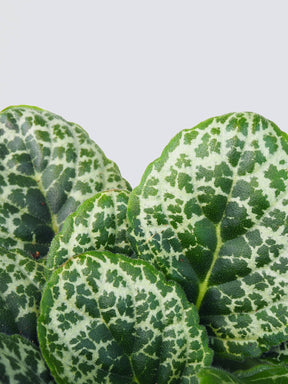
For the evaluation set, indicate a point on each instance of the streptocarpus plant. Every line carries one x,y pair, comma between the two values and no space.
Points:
208,224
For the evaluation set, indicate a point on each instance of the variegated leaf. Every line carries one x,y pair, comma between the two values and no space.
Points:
212,213
107,318
21,282
278,353
48,167
99,223
21,362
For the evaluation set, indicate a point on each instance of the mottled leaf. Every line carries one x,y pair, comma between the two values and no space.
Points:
48,166
278,354
99,223
212,213
107,318
21,282
21,362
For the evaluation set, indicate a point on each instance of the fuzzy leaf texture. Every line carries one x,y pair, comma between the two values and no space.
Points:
107,318
217,376
21,362
212,214
265,373
100,223
48,166
21,281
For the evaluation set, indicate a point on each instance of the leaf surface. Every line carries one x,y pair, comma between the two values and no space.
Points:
278,353
100,223
109,318
48,166
213,375
264,374
21,281
21,362
212,214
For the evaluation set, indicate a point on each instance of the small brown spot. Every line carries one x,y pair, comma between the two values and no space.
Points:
42,203
35,255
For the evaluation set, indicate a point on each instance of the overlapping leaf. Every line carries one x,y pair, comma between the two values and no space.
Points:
21,282
109,318
278,353
264,374
48,166
99,223
213,375
21,362
212,213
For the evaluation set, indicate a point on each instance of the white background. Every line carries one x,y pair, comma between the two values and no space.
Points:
134,73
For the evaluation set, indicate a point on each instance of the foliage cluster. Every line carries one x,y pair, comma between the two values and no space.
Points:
181,280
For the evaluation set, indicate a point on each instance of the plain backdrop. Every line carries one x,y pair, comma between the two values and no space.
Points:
134,73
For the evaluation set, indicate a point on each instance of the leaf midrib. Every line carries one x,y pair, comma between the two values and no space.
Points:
204,285
38,179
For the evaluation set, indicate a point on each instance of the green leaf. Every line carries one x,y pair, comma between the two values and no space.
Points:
109,318
21,362
264,374
260,373
213,375
48,166
99,223
21,282
212,214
